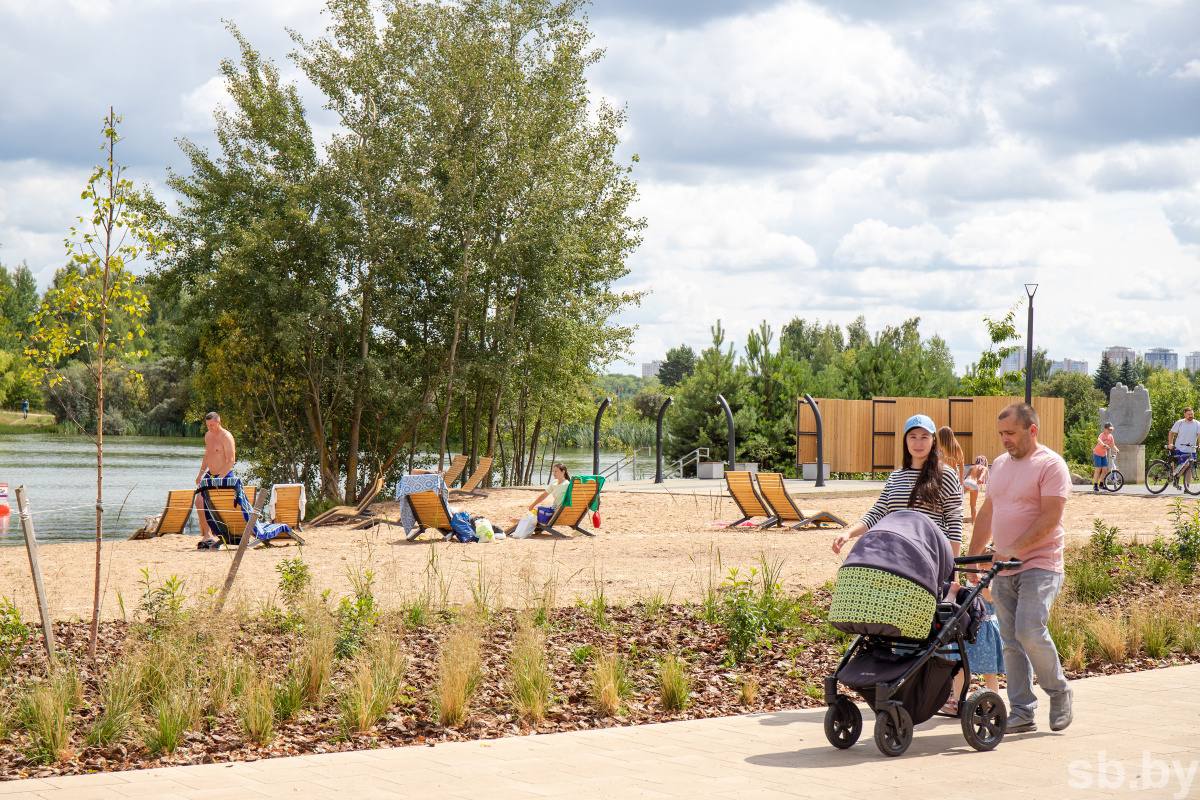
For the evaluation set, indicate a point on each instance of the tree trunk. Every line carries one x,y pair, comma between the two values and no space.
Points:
533,446
101,343
360,391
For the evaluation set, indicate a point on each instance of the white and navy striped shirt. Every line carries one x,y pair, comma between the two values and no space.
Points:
898,490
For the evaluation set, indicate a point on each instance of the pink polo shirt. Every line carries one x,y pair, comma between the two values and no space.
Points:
1016,489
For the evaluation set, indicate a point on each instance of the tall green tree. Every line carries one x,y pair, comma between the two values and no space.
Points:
446,267
696,418
1106,376
679,365
984,377
97,311
1128,374
1170,393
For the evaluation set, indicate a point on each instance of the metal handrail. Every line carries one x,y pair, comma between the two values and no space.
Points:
613,471
693,457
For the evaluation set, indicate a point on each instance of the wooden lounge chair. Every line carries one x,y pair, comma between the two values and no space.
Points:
741,489
340,513
784,510
457,465
570,515
230,522
287,505
430,511
174,517
471,485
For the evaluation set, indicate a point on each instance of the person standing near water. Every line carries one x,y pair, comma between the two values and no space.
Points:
220,454
24,409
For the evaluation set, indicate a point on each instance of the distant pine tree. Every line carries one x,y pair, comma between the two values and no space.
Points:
1106,377
1128,374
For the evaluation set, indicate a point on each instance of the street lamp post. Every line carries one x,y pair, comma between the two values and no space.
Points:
1030,291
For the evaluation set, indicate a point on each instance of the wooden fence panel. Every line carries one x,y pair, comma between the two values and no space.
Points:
865,435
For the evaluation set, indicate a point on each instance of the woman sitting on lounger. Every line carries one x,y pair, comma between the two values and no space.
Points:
556,489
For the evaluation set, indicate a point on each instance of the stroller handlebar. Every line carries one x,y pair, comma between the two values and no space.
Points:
961,561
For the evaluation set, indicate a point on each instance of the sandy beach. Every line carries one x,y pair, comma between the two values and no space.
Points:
648,543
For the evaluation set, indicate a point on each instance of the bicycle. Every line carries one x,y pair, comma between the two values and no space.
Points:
1162,472
1114,479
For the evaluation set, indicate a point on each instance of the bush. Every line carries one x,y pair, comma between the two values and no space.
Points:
170,718
13,633
376,683
294,580
1088,581
258,712
674,685
356,617
119,702
460,668
529,674
45,714
610,684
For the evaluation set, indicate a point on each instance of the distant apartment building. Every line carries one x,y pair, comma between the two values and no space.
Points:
1069,365
1118,355
1163,358
650,369
1014,361
1191,362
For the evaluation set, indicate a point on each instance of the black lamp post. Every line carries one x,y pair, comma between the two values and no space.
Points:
1030,291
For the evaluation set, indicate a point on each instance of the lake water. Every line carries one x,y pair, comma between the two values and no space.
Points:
59,475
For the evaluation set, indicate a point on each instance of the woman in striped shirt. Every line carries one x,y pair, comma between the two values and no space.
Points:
924,484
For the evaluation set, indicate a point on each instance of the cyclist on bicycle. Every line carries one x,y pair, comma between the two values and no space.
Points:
1101,464
1182,439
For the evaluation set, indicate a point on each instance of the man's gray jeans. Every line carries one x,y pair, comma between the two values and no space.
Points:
1023,605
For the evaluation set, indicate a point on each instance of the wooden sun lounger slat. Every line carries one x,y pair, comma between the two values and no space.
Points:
741,489
455,470
430,511
784,509
337,512
287,506
471,485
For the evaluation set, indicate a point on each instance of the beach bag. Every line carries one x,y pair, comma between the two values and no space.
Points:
525,527
461,528
544,514
484,530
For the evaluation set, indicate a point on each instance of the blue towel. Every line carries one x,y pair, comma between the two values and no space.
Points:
262,531
411,484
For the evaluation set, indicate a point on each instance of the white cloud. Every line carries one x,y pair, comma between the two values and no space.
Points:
874,242
1190,70
197,106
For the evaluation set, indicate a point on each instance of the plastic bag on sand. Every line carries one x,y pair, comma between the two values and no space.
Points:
484,530
525,527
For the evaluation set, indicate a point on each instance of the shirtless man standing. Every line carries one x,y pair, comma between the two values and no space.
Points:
220,453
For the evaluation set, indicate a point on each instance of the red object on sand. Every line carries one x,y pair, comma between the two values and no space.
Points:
595,519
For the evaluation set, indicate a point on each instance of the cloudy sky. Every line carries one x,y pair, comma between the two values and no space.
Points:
797,158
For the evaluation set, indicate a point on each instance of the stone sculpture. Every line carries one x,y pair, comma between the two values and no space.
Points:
1129,412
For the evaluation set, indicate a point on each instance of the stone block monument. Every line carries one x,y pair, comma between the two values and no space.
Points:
1129,412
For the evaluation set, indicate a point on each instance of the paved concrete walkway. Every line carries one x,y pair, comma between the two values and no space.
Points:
1134,736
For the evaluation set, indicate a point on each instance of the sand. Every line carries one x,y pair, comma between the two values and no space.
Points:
648,543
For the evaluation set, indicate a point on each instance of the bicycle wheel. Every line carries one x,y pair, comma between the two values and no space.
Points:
1158,476
1191,482
1114,480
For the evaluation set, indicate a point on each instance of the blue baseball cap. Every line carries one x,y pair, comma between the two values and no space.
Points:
920,421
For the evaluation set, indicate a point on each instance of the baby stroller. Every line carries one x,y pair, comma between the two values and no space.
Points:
896,590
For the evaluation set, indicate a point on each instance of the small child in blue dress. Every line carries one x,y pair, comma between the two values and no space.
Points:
986,655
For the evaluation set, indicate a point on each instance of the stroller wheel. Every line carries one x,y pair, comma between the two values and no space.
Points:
890,739
983,720
843,723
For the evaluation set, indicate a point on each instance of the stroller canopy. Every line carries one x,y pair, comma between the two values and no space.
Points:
907,543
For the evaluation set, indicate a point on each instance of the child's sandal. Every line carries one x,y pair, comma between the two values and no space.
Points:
950,709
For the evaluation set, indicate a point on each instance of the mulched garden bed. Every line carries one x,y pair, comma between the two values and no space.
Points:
788,674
